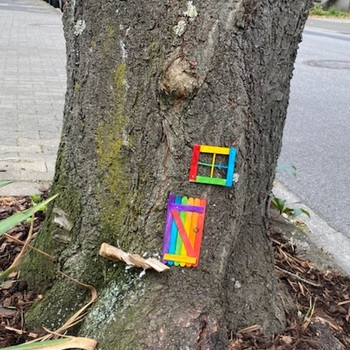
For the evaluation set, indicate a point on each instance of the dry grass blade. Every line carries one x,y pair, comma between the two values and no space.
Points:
309,314
11,238
73,320
58,344
298,277
19,331
15,264
78,314
332,323
19,257
293,261
74,343
250,329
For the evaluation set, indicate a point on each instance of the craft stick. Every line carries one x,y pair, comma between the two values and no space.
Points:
180,207
182,233
168,223
216,165
214,149
194,163
184,218
200,225
231,167
194,229
179,241
210,180
212,165
187,226
174,233
185,259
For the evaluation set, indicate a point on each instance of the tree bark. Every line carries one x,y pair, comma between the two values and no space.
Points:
147,81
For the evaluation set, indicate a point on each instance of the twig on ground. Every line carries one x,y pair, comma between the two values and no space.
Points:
298,277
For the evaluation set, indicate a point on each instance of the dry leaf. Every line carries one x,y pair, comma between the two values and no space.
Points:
62,344
286,339
7,312
116,254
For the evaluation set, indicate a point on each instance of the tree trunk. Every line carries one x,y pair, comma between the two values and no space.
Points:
147,81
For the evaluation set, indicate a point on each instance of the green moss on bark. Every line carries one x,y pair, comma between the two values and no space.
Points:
112,142
36,268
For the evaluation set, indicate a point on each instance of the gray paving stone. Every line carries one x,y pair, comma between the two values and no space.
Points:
19,149
32,89
24,142
9,141
27,127
8,156
50,166
38,166
30,175
27,187
27,118
48,135
50,149
8,173
34,135
34,156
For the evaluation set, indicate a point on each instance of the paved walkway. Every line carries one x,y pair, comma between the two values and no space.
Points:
32,88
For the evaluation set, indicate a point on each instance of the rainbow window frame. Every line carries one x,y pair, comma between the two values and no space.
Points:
230,152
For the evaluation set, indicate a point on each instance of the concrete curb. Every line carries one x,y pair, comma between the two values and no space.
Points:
320,233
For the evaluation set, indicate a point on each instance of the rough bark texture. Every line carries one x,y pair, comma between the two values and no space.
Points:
146,81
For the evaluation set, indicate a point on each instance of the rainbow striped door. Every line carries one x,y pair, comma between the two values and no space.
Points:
183,230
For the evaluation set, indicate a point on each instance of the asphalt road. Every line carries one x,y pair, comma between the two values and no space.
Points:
317,133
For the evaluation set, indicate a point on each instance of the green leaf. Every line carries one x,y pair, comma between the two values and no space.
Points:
35,198
58,344
299,211
306,213
289,168
4,183
13,220
38,345
6,273
288,210
278,203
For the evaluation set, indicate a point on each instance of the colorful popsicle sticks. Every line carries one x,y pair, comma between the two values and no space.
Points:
230,153
183,231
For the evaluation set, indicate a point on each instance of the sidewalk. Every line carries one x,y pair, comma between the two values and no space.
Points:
32,89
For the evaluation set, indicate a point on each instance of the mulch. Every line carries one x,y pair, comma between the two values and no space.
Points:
321,317
15,298
319,320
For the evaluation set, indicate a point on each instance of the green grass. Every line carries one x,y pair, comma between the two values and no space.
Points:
331,12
